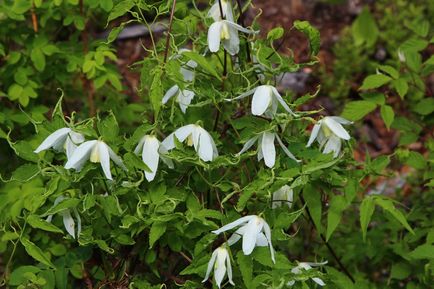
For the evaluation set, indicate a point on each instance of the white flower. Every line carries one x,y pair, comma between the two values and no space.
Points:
265,100
283,195
225,31
255,232
266,149
68,221
221,261
307,266
329,132
216,14
187,70
183,97
97,152
64,138
150,148
196,136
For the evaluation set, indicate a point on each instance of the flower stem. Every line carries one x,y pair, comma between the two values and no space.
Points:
172,12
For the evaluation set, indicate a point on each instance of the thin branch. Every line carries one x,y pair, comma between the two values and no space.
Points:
343,268
172,12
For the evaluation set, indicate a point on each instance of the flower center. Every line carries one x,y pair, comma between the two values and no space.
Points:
224,34
325,129
190,140
94,155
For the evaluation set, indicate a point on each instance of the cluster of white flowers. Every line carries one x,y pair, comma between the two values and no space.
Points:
253,230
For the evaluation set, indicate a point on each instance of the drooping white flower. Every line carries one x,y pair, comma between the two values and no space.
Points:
187,70
216,14
254,231
283,195
265,100
221,262
183,97
329,133
150,148
307,266
226,31
68,221
196,136
62,139
266,149
97,152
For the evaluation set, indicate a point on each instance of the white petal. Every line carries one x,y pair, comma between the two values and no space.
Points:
253,227
267,232
69,147
206,150
236,236
183,132
168,143
54,139
239,27
80,155
232,45
69,223
76,138
229,269
282,102
268,149
318,281
214,32
261,240
116,159
210,265
261,99
245,94
314,134
220,266
333,145
285,149
170,93
336,128
187,73
139,146
341,120
248,145
150,156
234,224
184,99
290,283
104,159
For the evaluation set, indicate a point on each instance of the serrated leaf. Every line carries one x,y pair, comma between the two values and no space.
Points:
108,128
388,206
65,204
375,81
156,91
38,59
389,70
365,29
337,205
312,197
366,210
246,267
25,172
387,114
425,251
401,87
157,230
38,223
36,253
202,62
424,106
356,110
120,9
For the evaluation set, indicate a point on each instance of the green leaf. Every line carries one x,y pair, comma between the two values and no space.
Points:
389,70
366,210
356,110
387,114
419,26
414,44
312,197
38,59
416,160
312,34
157,230
425,251
106,5
36,253
365,29
202,62
388,206
337,205
246,267
15,91
39,223
156,91
120,9
401,87
114,33
275,33
374,81
25,172
425,106
65,204
109,128
18,276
